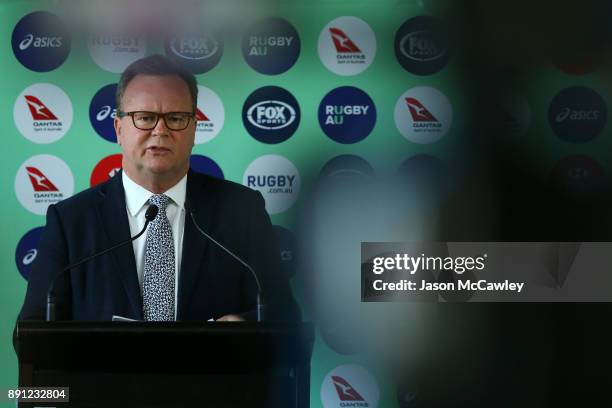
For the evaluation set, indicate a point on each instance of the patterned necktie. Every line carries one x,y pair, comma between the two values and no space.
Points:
158,281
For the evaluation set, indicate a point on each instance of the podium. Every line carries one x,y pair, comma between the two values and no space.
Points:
167,364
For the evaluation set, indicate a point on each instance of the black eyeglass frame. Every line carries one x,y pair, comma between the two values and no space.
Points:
191,115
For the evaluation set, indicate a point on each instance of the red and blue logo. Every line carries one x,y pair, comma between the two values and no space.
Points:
106,168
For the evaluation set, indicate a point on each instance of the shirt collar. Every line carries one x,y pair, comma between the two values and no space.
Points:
136,196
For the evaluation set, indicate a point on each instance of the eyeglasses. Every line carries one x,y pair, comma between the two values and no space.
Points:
144,120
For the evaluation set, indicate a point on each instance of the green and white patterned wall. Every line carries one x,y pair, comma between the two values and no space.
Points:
390,50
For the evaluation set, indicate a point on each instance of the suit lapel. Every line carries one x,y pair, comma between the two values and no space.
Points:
113,218
203,199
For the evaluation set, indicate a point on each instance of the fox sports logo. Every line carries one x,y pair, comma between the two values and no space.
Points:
271,114
194,47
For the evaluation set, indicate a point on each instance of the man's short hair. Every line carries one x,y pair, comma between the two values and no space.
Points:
156,65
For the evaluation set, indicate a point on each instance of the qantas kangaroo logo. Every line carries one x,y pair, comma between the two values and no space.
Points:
419,112
342,42
39,181
345,391
200,116
38,109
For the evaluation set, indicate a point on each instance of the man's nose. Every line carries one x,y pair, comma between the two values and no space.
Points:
160,128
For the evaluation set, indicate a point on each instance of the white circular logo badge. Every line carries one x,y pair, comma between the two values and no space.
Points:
113,52
210,115
43,113
43,180
347,45
276,178
423,114
349,386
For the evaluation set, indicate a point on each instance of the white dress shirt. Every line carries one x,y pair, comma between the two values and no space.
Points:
136,198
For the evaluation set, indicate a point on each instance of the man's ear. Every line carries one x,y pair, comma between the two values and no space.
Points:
117,126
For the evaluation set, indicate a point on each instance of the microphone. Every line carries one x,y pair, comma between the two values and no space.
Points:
150,215
260,296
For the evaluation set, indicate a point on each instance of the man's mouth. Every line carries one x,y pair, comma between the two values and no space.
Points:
158,149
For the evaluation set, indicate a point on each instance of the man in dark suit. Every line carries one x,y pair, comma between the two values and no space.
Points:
173,273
